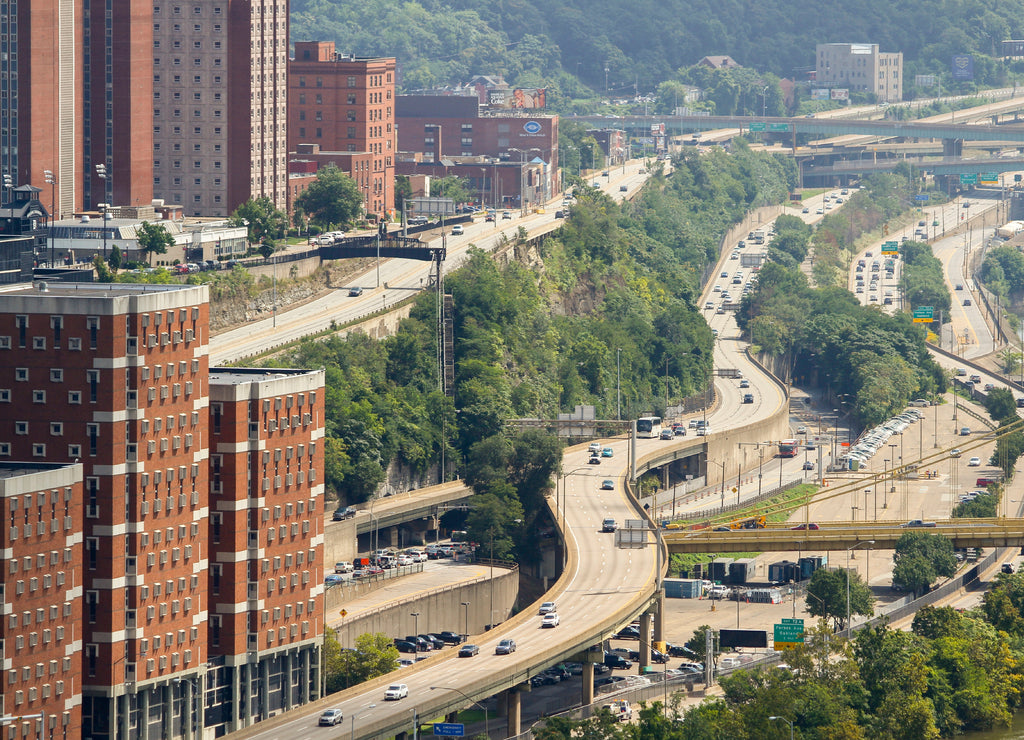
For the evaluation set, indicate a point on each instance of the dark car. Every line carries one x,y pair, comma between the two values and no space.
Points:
420,643
628,633
679,651
616,661
468,651
404,646
436,642
559,214
810,525
452,638
341,514
623,189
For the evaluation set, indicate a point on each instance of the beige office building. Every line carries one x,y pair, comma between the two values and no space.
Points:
861,68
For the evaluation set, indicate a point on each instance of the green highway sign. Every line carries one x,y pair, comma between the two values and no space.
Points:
968,179
756,126
988,177
789,634
924,315
890,247
777,127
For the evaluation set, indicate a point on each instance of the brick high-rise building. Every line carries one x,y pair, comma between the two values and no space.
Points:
346,105
116,376
41,98
266,514
41,592
218,109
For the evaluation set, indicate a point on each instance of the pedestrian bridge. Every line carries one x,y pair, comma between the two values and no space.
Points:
963,533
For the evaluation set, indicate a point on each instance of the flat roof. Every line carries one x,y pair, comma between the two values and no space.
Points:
240,375
90,290
16,469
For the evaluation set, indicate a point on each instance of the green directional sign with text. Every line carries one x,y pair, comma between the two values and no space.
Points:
756,126
789,634
968,179
924,315
778,127
890,247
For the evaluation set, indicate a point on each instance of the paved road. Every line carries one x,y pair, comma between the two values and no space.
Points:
402,277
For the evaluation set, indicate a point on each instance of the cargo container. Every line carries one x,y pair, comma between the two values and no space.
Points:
742,570
719,570
783,572
683,588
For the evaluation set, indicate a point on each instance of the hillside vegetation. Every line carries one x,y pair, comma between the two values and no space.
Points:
643,42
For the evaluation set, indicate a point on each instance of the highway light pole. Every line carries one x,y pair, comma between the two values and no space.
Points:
487,730
465,607
416,622
360,713
775,718
848,551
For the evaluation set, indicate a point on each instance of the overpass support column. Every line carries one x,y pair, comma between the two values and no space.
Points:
451,717
587,695
952,147
512,712
392,536
659,616
402,736
645,645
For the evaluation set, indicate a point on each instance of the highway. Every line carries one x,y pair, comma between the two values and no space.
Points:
400,278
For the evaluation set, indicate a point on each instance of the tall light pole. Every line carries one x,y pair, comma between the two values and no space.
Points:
848,551
52,182
487,729
360,713
465,606
416,622
775,718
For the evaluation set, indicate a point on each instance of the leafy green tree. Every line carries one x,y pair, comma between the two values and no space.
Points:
262,218
1003,605
332,199
827,596
114,260
373,655
920,558
153,239
103,273
934,622
1001,405
453,187
697,645
403,191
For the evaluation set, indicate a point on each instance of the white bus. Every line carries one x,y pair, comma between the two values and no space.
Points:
648,426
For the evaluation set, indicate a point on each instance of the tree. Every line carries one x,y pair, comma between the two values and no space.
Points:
403,191
827,595
263,219
697,645
920,558
452,187
153,239
114,260
373,655
332,199
1001,405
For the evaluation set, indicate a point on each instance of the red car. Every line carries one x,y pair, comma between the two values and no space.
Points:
812,525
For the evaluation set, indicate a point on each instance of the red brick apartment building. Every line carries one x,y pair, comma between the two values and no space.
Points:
41,589
117,376
345,105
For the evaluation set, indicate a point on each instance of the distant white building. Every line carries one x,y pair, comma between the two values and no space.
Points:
78,239
861,68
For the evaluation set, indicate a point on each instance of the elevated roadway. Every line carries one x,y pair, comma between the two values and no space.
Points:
844,534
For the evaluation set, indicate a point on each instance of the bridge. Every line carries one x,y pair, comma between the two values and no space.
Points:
842,535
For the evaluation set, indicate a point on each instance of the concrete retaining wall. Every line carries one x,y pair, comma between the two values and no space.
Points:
439,610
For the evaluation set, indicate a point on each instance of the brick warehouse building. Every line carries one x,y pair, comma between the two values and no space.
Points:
121,371
344,106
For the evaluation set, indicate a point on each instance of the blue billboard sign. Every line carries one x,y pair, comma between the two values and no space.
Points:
962,67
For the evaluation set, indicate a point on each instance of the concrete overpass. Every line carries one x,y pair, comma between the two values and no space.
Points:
841,535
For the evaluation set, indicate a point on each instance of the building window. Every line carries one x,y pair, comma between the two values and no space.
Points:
56,429
21,374
38,396
38,450
21,427
5,395
351,81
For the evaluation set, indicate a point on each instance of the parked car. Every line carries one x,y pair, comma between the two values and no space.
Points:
452,638
974,462
343,566
616,661
468,651
341,514
396,691
330,717
505,647
404,646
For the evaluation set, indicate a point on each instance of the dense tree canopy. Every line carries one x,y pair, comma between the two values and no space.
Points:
333,199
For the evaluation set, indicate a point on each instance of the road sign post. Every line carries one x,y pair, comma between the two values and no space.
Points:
789,634
450,729
924,315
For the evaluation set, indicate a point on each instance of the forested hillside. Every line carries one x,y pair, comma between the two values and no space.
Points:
644,42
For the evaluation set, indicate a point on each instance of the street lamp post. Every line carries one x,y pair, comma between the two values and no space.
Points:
360,713
52,182
416,622
848,551
487,729
465,606
775,718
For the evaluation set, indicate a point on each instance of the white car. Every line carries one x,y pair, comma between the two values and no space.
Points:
405,560
458,229
974,462
396,691
549,620
330,717
801,429
547,607
595,448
